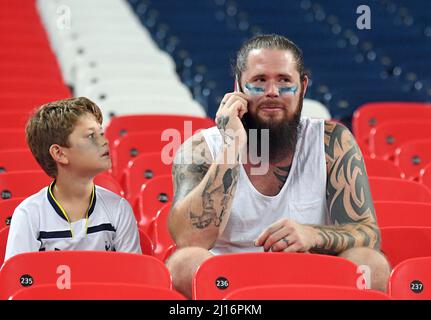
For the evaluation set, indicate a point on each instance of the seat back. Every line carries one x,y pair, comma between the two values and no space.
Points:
140,170
13,120
108,182
121,125
403,214
4,233
412,156
402,243
222,274
391,189
98,291
48,86
28,101
12,139
150,133
133,144
370,115
381,168
22,183
7,207
61,267
17,160
425,176
387,137
411,280
152,197
146,243
304,292
160,233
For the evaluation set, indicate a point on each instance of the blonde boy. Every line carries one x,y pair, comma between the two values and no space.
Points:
67,140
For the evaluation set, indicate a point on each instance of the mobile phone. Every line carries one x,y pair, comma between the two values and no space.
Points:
237,87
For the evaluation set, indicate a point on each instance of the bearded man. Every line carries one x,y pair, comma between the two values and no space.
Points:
313,195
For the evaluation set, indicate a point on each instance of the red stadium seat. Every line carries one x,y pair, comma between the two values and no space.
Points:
17,160
29,72
81,266
45,71
369,115
25,101
147,246
169,251
108,182
19,59
4,233
158,230
7,207
22,183
158,133
140,170
391,189
304,292
412,156
387,137
98,291
134,144
402,243
23,43
411,280
28,86
381,168
121,125
222,274
12,139
425,176
403,214
152,197
13,120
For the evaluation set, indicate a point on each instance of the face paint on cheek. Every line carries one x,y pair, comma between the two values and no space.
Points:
281,90
288,90
254,90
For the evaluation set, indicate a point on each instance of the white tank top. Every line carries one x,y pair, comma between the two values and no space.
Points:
302,198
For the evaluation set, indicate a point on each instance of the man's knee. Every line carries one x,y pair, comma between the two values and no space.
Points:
374,262
182,265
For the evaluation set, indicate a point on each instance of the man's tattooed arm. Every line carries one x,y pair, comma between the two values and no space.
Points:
348,196
222,122
203,194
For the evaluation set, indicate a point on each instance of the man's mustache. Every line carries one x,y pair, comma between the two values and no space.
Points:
269,102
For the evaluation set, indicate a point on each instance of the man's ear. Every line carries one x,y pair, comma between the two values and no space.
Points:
305,85
58,154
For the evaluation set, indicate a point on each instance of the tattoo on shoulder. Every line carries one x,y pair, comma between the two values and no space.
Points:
190,166
348,193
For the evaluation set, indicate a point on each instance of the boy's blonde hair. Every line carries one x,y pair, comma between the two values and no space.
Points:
52,123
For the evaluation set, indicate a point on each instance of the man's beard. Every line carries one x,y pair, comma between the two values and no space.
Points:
283,134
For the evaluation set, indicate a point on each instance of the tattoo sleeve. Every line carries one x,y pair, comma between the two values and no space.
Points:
348,196
203,194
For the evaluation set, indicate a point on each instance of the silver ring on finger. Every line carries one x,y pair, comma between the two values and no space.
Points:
285,241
